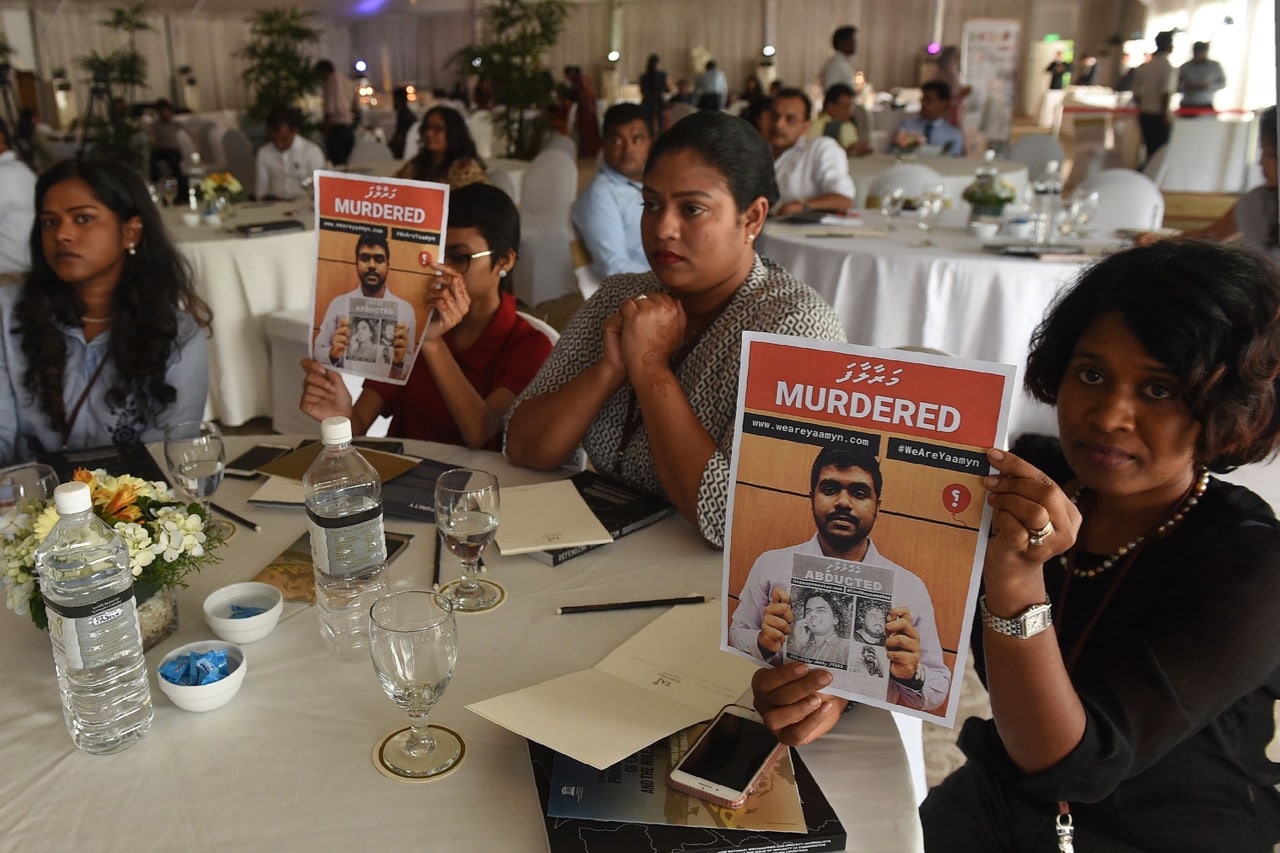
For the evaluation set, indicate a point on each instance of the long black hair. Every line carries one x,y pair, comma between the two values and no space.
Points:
154,290
458,146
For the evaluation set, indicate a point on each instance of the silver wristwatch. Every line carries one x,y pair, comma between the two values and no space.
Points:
1028,623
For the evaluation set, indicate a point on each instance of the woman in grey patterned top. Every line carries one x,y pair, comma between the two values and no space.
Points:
645,376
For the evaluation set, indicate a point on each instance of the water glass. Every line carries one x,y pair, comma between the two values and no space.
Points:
467,511
196,457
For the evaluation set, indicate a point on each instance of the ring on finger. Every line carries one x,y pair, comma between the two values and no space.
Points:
640,298
1036,538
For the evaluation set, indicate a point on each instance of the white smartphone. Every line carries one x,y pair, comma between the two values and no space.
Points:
727,759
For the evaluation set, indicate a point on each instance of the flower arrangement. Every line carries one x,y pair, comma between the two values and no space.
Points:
906,141
167,539
221,184
989,192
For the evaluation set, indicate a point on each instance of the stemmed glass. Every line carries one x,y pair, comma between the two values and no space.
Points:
169,191
467,508
927,213
30,481
413,639
197,456
891,201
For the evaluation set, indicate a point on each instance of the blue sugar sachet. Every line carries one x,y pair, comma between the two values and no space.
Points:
244,611
196,668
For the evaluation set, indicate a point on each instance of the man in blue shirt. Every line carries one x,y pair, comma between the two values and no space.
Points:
711,88
932,124
607,214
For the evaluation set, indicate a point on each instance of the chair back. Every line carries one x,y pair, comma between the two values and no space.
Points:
481,126
369,150
240,159
542,326
1126,199
501,179
912,177
549,185
1035,151
560,142
588,281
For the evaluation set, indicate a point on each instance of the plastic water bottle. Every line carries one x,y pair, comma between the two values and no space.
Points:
93,623
348,548
1048,193
195,175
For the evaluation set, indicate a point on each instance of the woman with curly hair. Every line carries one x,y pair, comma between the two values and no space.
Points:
102,343
447,153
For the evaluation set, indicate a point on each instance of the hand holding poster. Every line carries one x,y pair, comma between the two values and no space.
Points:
857,526
377,240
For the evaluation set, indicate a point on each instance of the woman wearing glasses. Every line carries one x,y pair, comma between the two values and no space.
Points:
477,354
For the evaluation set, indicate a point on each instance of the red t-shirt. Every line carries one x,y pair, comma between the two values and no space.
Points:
507,355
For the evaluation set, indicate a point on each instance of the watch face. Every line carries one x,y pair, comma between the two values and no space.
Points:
1035,621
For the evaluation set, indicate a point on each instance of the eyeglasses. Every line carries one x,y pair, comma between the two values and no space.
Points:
461,261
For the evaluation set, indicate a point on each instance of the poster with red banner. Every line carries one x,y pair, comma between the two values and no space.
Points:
857,515
376,241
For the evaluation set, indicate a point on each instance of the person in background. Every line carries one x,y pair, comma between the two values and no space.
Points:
340,109
102,343
932,124
1200,79
641,377
1255,218
284,166
35,134
1086,73
812,171
607,214
839,121
447,153
588,117
405,120
1127,633
1057,70
839,67
168,141
684,93
949,73
477,353
654,88
1154,83
711,88
17,207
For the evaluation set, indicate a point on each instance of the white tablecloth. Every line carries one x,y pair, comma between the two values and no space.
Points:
245,280
956,298
287,764
957,173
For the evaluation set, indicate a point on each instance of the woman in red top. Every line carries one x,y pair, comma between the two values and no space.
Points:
477,353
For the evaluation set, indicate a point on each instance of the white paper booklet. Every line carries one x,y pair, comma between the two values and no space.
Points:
545,516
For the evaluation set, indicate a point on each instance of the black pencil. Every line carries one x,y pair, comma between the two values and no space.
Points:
630,605
435,564
252,525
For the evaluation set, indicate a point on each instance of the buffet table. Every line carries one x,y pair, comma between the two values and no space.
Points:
287,764
245,280
956,297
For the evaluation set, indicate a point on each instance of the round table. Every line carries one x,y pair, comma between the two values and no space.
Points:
957,173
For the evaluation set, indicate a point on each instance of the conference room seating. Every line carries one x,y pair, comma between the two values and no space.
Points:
1126,199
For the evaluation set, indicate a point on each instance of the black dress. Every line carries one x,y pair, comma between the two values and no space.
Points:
1178,679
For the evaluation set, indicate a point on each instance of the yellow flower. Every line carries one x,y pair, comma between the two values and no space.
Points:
45,521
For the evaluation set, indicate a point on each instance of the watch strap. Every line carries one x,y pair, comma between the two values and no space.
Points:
1034,620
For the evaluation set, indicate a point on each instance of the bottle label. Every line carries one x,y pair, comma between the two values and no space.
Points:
347,545
70,627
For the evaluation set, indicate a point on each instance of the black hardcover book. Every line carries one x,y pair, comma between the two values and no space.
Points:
412,494
620,508
274,226
574,835
115,459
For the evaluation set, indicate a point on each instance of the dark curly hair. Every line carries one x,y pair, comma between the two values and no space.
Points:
458,146
1210,312
154,289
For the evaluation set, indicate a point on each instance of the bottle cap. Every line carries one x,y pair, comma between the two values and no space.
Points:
335,430
72,498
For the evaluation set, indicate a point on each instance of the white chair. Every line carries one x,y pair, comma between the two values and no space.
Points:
547,191
542,326
560,142
1126,199
912,177
549,185
240,159
501,179
1035,151
369,150
588,281
481,126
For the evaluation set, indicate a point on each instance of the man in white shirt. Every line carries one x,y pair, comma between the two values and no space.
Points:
284,163
340,106
812,172
839,68
1154,83
17,208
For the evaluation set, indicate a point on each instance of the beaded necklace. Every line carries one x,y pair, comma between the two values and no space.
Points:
1165,527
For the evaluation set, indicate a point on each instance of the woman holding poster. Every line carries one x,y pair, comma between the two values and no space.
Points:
1129,635
645,375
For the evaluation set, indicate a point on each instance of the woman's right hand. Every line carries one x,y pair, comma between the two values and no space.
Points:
324,394
789,700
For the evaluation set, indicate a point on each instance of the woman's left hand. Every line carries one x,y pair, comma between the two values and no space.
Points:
449,296
1034,520
653,327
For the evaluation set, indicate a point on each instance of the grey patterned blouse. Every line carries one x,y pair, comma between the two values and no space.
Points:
770,300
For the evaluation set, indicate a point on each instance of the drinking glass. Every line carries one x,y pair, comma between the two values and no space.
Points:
928,211
30,481
1085,212
169,191
413,639
891,201
467,517
197,456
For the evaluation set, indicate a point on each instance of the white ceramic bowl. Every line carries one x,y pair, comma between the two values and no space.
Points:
984,230
1019,229
250,629
191,219
205,697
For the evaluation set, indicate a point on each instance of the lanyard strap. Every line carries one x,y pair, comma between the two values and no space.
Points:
84,395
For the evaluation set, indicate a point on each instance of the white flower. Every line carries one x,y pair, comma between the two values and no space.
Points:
139,540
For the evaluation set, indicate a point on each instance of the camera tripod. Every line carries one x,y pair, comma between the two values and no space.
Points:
100,102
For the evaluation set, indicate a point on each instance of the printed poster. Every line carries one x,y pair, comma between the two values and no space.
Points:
857,516
990,57
377,239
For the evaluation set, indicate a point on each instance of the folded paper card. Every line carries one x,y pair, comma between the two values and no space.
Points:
547,515
665,678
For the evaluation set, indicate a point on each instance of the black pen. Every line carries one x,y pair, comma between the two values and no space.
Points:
435,564
239,519
630,605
